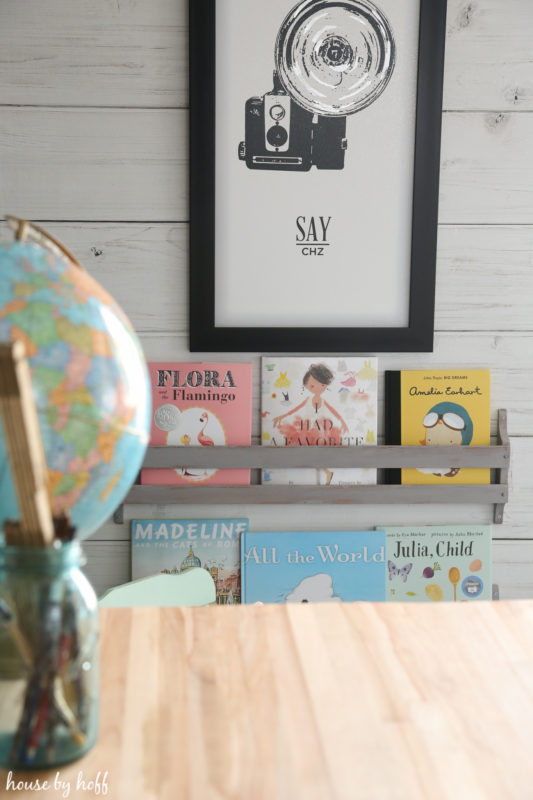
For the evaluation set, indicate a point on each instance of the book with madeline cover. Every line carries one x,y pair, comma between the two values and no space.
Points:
439,562
200,405
172,546
438,407
307,567
314,402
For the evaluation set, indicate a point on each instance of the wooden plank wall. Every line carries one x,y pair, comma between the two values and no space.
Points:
93,143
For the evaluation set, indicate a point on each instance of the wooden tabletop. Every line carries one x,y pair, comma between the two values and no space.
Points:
346,701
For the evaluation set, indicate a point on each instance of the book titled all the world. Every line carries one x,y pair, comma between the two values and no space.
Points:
438,407
319,402
200,405
439,562
172,546
313,567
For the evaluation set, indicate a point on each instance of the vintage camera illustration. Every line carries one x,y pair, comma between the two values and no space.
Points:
332,58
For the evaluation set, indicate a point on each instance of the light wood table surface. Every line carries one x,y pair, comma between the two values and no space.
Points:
295,701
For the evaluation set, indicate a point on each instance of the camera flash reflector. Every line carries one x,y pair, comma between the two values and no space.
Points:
335,57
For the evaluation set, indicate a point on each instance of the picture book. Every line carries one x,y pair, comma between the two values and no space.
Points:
438,407
306,567
200,405
172,546
439,562
316,402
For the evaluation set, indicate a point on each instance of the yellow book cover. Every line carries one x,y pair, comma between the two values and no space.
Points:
445,407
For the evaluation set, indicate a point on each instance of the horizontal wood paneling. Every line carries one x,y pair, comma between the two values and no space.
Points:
489,59
484,278
487,168
93,164
513,569
108,564
134,261
131,165
128,53
94,52
484,273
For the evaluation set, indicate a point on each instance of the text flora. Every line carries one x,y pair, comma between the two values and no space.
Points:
194,378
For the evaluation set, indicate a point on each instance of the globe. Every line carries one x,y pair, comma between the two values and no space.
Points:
89,380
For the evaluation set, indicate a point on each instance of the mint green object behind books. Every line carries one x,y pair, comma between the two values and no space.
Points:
192,588
438,563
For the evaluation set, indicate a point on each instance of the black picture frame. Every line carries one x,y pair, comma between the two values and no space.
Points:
417,336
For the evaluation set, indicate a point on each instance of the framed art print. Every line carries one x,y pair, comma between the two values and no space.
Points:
315,147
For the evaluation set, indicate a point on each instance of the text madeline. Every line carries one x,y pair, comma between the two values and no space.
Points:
193,530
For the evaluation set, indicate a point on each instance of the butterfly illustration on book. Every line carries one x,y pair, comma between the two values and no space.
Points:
395,571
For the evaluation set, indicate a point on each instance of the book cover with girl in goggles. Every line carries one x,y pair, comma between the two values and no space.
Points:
439,407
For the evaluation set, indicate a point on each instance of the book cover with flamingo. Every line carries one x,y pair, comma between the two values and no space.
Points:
199,405
316,401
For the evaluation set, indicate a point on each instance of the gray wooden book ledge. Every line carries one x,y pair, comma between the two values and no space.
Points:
496,457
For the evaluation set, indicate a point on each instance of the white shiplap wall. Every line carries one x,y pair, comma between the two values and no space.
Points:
93,142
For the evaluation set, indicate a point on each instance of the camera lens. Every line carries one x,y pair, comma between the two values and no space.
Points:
277,136
277,112
335,57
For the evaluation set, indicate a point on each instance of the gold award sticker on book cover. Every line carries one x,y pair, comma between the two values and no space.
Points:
445,407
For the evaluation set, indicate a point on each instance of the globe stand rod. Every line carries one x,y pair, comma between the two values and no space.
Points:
24,229
25,450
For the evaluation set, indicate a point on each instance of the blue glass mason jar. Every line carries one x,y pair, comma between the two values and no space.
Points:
49,671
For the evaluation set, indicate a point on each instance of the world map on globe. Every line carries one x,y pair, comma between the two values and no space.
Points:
89,381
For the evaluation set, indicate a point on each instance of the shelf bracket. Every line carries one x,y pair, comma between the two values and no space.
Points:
502,472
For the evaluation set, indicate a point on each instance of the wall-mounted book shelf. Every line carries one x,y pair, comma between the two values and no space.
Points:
496,457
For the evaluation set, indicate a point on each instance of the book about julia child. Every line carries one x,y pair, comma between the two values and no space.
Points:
439,562
313,567
438,407
317,402
199,405
173,546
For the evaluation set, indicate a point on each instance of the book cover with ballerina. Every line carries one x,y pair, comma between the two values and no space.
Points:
199,405
432,563
313,567
317,402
